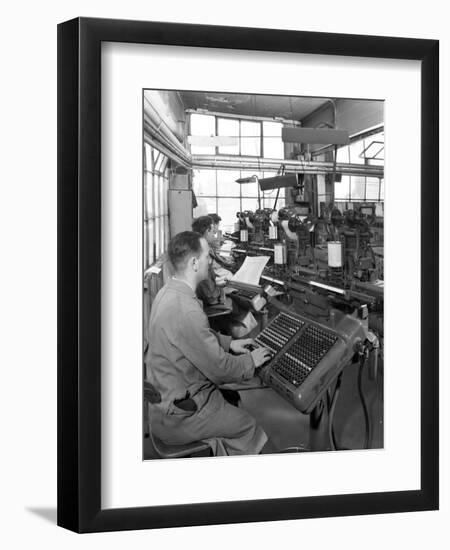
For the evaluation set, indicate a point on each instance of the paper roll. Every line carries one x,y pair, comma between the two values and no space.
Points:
334,254
273,233
244,235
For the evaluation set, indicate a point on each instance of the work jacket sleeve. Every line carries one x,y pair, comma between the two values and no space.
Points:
224,340
201,347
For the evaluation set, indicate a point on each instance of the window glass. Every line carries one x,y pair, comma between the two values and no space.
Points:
250,147
166,195
372,189
203,125
158,161
357,188
157,191
228,128
151,241
147,210
146,250
342,188
269,198
342,155
272,129
148,195
157,237
269,202
273,147
355,150
227,208
374,149
250,204
205,205
250,138
204,182
148,157
156,218
226,183
250,189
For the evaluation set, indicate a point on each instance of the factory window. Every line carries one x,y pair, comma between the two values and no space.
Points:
217,191
203,125
273,147
249,138
359,189
229,128
368,151
156,214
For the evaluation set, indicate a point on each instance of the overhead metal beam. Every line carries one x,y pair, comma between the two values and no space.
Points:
324,136
258,165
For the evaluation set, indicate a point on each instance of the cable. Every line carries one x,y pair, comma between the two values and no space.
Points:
368,434
332,408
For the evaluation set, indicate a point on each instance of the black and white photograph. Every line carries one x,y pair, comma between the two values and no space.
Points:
226,255
263,273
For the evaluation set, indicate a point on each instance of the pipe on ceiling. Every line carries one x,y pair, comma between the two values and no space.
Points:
223,162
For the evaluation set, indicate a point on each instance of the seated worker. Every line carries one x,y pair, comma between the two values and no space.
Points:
187,362
217,241
210,289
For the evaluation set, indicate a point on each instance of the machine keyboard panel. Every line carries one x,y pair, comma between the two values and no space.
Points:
279,332
304,354
307,356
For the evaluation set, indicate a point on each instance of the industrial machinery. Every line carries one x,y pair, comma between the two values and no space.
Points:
298,225
262,224
308,360
352,230
307,356
324,281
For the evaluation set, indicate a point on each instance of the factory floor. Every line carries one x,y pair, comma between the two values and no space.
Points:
288,429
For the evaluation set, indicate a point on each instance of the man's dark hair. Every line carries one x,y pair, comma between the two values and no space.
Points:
215,218
182,247
202,224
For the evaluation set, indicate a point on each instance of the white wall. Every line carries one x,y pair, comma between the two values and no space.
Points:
28,287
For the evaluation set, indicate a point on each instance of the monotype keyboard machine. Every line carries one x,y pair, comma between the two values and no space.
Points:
307,356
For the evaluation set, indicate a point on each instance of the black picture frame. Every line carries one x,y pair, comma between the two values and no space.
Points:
79,274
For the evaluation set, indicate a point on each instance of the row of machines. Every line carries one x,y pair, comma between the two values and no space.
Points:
320,300
334,245
333,261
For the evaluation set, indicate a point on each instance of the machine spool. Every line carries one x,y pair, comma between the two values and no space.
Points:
280,254
334,254
273,232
